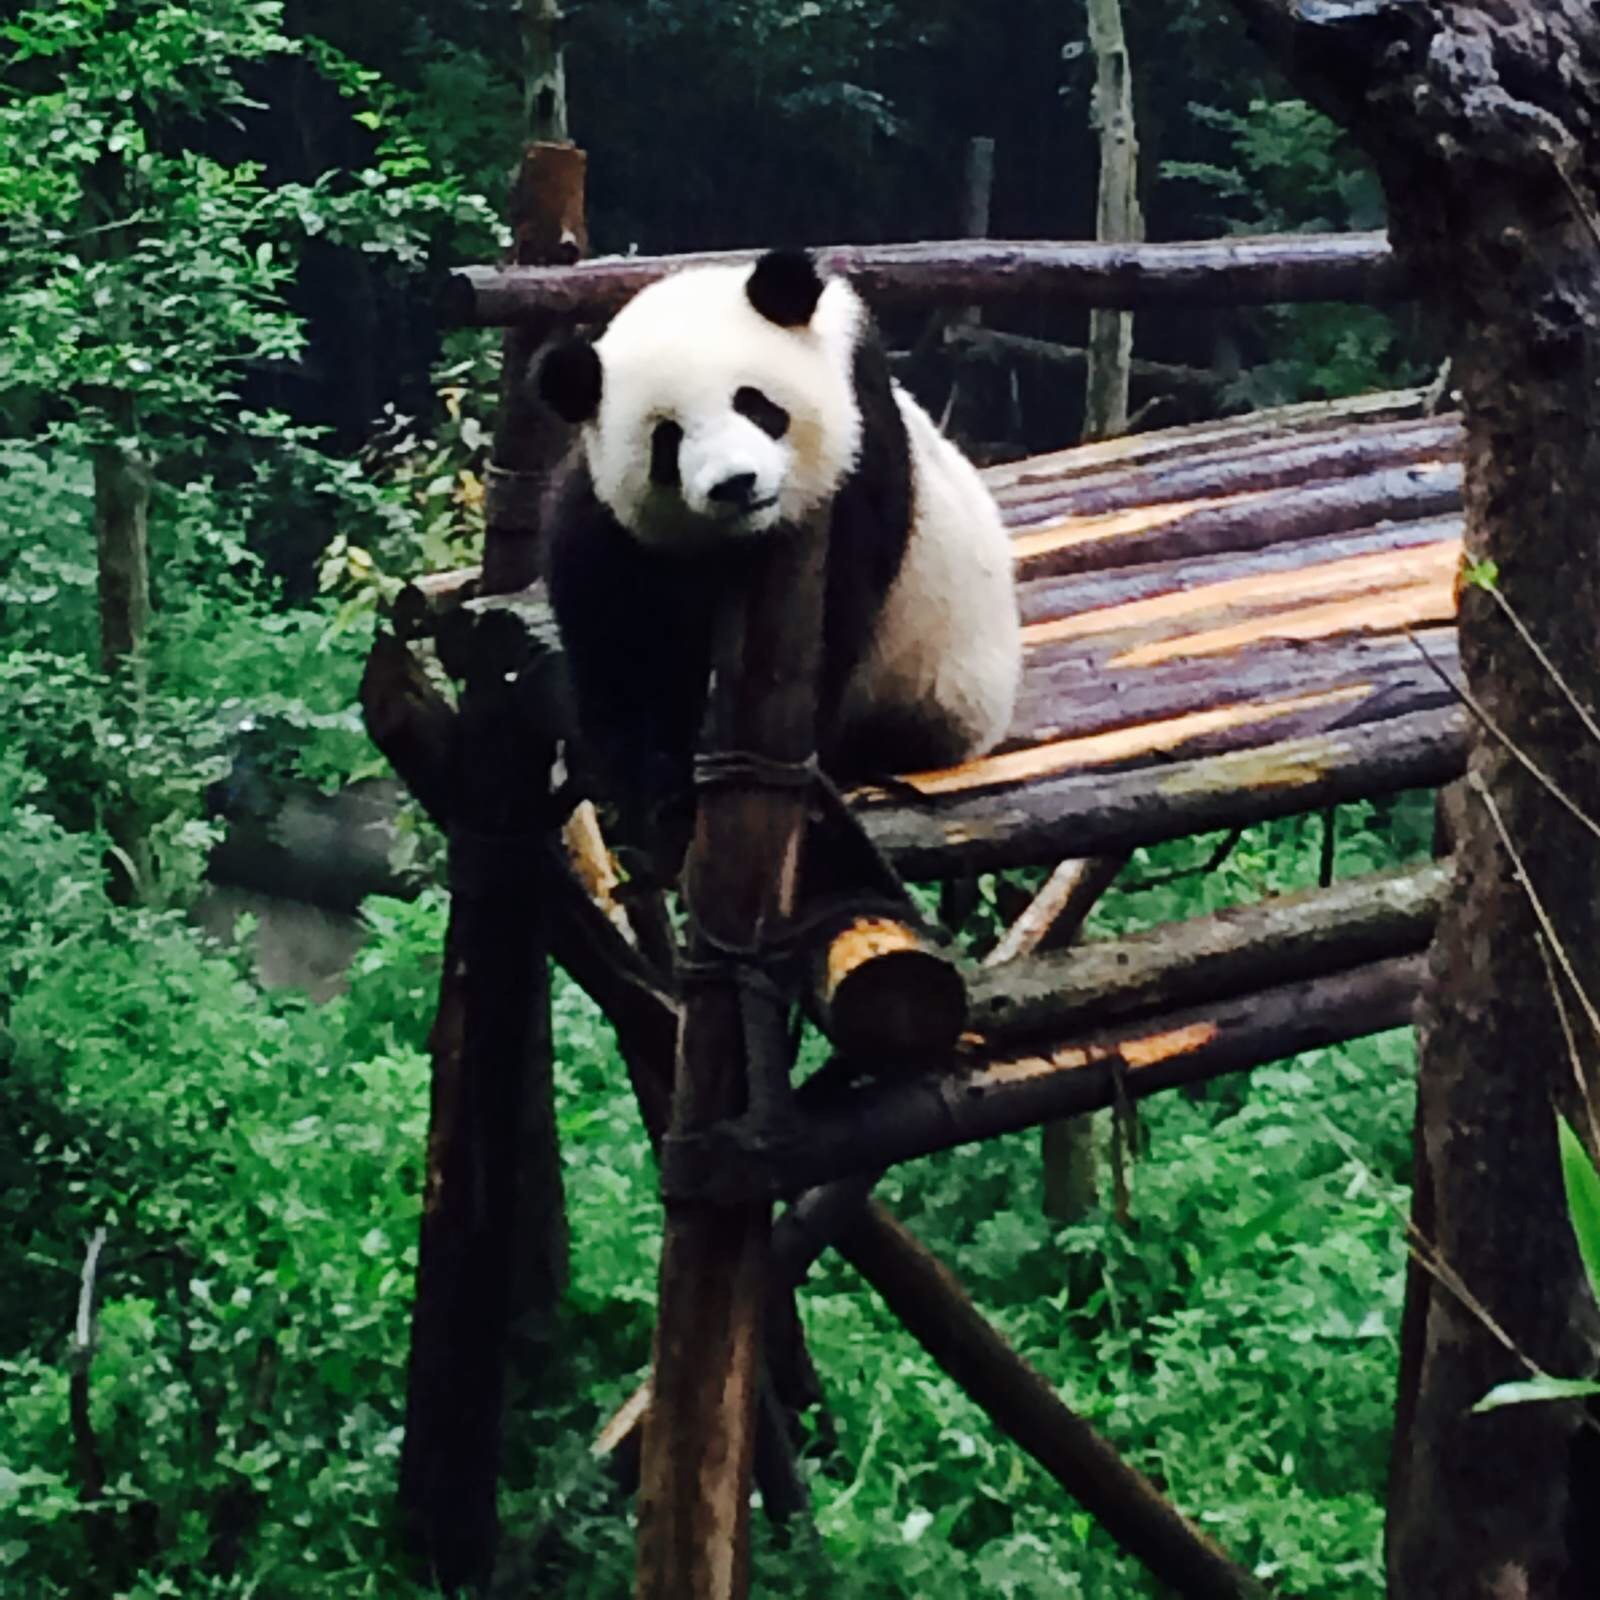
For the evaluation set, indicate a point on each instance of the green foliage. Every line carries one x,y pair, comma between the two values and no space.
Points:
1292,169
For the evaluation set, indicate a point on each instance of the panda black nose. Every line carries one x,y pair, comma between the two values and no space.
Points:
739,490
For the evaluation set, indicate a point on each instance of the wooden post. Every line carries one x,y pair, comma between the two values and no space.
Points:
493,1233
1117,218
922,1292
740,885
547,216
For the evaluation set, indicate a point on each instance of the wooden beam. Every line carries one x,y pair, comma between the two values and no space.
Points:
1292,461
882,1126
927,1298
1098,813
1246,520
1054,915
1243,270
741,881
1229,953
882,993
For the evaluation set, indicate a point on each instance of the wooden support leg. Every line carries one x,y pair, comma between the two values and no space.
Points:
493,1231
741,881
1051,922
926,1297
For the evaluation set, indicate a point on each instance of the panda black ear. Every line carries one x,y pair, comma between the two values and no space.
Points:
785,287
569,380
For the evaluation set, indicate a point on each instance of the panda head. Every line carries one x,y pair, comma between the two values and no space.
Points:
719,402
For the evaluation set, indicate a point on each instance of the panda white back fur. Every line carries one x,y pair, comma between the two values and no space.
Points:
725,403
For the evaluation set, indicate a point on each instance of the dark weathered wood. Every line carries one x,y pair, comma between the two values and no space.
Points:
1207,527
413,725
1210,958
741,880
1054,915
1097,814
926,1297
1117,217
548,225
1043,599
492,1236
882,1126
979,344
420,603
1253,270
1276,684
883,993
1295,462
1484,124
1200,438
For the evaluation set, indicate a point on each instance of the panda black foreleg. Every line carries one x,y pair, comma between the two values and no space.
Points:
635,628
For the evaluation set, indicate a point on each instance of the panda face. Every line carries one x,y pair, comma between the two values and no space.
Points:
704,416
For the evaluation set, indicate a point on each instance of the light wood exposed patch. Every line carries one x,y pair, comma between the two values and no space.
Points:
1121,744
1270,593
1430,599
1070,533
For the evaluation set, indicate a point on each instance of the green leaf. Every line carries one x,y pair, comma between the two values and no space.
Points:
1583,1200
1481,574
1543,1388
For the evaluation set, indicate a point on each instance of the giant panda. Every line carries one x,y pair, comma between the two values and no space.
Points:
719,407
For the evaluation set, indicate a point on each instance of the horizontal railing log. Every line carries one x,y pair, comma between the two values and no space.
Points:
1095,814
881,1127
1285,939
1246,270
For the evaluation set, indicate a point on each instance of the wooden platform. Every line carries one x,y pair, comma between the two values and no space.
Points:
1218,626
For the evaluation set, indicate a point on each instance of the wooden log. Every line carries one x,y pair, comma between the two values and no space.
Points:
1188,529
547,220
1242,270
927,1298
492,1234
419,604
882,993
1220,434
1054,915
1095,814
1084,695
1048,599
966,342
413,725
887,1124
741,880
1210,958
1117,217
1297,462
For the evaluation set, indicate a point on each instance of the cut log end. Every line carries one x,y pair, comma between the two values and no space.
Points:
885,994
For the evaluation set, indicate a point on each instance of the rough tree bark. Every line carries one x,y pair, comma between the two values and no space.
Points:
1483,117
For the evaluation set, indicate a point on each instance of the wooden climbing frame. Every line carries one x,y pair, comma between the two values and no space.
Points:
1223,623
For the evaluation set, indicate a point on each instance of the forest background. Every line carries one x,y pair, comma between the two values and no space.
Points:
221,228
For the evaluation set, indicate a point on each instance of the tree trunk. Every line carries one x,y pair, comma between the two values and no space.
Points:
1484,120
122,549
544,72
1117,217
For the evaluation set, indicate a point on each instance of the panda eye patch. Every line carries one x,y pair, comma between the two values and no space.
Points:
767,414
665,439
